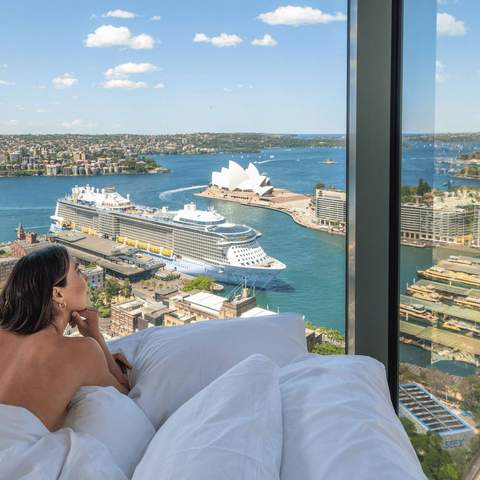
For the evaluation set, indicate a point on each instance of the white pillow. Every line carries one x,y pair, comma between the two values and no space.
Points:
231,430
113,419
339,423
173,364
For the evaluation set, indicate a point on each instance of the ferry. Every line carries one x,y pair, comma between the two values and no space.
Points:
192,241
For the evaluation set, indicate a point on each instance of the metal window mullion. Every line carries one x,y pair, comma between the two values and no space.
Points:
373,182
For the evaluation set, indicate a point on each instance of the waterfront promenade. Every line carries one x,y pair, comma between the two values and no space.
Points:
297,205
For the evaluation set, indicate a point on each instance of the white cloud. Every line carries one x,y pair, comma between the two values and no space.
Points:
439,72
20,107
40,110
125,69
40,87
448,25
266,41
156,18
6,83
120,14
159,85
110,36
228,90
11,123
74,123
124,84
66,80
296,16
222,40
3,65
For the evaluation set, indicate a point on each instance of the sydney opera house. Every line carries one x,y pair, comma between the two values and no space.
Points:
237,178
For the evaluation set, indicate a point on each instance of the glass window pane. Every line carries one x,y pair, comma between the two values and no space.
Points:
168,92
440,259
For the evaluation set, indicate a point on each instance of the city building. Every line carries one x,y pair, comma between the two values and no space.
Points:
95,275
449,219
136,314
331,207
430,415
201,306
26,242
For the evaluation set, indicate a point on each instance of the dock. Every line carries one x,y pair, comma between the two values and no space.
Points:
297,205
454,341
444,310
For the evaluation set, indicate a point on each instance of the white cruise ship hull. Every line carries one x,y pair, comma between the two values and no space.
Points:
254,277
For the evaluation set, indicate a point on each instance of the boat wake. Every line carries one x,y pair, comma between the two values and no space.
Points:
168,193
267,161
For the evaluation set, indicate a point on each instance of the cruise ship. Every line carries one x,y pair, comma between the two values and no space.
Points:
191,241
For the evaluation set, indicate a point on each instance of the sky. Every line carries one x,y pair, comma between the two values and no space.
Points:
152,67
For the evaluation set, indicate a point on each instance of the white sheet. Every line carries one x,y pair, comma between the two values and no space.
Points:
231,430
29,451
113,419
339,423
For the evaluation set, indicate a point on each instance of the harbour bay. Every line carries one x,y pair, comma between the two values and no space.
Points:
313,283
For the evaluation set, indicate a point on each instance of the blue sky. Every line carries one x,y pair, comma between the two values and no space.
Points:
73,67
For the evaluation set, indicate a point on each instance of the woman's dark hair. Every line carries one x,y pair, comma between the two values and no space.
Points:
26,304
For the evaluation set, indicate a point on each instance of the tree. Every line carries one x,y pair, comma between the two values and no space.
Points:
202,282
327,349
111,288
437,463
126,288
423,188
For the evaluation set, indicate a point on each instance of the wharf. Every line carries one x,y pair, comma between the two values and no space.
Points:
454,341
472,269
444,288
450,311
297,205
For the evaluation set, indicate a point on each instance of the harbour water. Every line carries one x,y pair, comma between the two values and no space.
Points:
313,283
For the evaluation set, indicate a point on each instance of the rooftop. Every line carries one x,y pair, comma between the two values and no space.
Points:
429,411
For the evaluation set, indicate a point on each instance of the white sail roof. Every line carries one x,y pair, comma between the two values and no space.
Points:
237,178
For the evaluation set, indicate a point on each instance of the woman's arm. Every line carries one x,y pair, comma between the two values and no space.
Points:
87,323
92,365
113,366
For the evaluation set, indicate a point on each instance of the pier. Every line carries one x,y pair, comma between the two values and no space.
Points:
297,205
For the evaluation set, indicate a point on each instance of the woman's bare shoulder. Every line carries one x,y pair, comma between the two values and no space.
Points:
82,346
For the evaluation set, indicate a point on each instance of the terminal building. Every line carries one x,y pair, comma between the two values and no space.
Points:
430,415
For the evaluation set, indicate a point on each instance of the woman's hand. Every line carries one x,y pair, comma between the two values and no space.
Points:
122,362
86,322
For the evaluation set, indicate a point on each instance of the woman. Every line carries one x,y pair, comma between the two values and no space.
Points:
40,369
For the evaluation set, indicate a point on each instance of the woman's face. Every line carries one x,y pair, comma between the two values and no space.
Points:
75,291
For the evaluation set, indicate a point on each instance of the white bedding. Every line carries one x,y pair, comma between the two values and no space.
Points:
338,422
29,451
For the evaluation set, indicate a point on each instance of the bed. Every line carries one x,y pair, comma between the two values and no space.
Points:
222,399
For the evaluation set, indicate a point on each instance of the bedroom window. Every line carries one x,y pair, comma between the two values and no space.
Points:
179,92
439,299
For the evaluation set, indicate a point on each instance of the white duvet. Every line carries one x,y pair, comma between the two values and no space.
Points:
29,451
